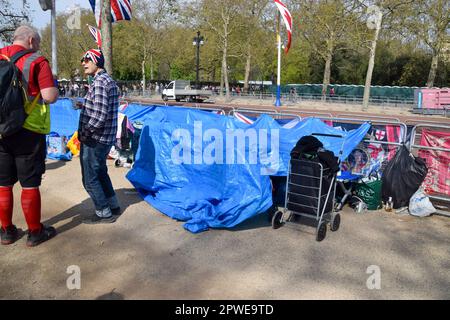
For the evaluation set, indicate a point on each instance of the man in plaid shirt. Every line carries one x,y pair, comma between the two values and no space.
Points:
97,133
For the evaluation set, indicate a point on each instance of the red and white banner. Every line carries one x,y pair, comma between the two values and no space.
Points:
287,18
242,118
438,162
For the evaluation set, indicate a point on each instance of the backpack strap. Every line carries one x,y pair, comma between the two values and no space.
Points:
19,55
30,107
26,69
5,57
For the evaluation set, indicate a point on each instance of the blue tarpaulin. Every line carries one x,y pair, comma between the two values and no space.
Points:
63,118
212,171
63,124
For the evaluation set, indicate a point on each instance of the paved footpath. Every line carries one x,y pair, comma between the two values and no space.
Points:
147,255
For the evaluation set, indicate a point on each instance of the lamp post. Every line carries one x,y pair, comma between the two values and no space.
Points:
50,5
198,41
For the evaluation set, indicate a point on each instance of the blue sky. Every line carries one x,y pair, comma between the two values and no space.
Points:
42,18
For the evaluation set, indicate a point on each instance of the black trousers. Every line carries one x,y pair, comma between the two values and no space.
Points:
22,158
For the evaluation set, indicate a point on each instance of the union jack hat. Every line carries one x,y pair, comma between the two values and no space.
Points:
95,56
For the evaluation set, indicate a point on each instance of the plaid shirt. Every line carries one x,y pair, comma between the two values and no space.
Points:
98,118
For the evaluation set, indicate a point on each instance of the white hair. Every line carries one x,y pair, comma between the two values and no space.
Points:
24,32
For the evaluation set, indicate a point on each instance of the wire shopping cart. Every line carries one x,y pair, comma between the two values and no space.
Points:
310,193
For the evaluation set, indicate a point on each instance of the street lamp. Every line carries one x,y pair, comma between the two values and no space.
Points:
50,5
198,41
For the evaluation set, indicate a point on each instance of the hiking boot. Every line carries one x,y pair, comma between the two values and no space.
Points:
116,211
36,238
95,219
9,235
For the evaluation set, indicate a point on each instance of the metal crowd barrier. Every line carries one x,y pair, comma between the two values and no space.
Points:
403,127
316,113
374,120
368,118
415,146
273,113
256,111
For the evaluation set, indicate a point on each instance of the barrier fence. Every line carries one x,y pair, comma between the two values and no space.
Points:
428,140
432,143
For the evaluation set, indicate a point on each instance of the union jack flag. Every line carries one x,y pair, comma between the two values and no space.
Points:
120,10
287,18
97,35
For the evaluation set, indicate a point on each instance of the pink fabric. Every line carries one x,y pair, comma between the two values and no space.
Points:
438,162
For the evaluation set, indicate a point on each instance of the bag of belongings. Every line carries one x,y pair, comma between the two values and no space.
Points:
402,177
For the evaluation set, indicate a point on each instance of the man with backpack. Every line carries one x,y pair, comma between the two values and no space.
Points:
27,88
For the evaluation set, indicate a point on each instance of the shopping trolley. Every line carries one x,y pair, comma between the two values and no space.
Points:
310,193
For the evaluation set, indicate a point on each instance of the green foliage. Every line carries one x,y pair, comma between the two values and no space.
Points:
159,40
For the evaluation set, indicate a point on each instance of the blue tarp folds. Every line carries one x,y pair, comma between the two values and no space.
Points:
212,171
64,122
63,118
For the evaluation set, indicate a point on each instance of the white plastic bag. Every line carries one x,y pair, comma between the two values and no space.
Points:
420,205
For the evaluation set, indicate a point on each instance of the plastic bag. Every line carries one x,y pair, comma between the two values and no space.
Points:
370,193
74,144
402,177
56,147
420,205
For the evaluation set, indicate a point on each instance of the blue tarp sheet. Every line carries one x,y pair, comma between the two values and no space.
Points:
63,118
63,122
191,167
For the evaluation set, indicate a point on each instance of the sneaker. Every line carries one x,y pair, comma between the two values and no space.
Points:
95,219
36,238
116,211
9,235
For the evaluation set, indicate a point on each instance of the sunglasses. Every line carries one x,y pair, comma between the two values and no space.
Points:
85,60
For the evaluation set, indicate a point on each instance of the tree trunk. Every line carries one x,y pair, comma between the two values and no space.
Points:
151,67
370,67
225,74
433,70
212,76
247,70
221,81
143,77
106,31
326,75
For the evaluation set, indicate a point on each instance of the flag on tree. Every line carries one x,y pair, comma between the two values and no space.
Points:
120,10
96,34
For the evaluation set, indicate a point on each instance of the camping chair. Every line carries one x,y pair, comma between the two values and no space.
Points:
346,177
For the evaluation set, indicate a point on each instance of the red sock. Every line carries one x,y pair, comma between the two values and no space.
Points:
31,206
6,206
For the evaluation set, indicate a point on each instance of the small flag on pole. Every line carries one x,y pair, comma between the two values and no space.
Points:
96,34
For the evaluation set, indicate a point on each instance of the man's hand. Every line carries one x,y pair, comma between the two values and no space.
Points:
86,139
